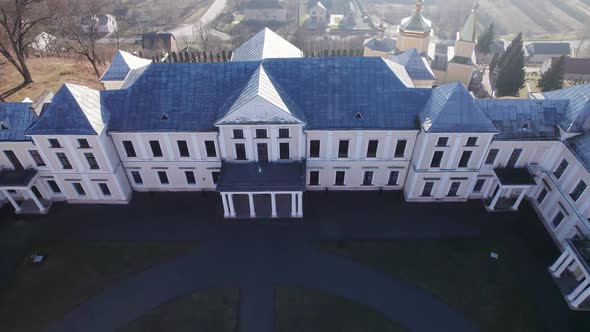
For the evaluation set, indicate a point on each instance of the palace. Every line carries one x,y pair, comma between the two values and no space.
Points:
271,124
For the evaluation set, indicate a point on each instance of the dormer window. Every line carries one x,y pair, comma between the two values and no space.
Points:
164,117
525,127
358,116
3,126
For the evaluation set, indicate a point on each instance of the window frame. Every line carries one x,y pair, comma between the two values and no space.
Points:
91,160
337,178
39,162
430,186
54,186
183,149
479,184
238,133
465,155
542,195
259,131
83,143
163,177
314,175
54,143
136,175
79,189
578,191
103,186
403,147
454,189
240,149
472,141
368,175
561,168
396,178
210,149
372,148
438,164
493,154
284,153
341,143
442,142
282,132
190,179
129,149
311,148
63,159
156,149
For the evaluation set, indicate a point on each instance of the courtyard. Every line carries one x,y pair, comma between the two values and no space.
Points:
357,261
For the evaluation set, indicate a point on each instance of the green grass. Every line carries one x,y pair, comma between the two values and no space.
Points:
72,273
459,272
314,311
206,310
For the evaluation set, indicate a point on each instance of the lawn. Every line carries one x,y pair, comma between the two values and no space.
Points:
72,273
458,271
314,311
206,310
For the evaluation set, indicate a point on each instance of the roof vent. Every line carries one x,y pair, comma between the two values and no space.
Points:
164,117
525,127
3,126
358,116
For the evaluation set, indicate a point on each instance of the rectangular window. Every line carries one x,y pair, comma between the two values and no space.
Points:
63,159
479,185
561,169
400,148
129,149
464,161
372,149
238,134
163,177
92,163
491,158
240,151
37,157
514,158
53,186
393,177
471,141
314,178
284,151
368,178
437,159
54,143
183,149
136,177
104,188
558,219
215,177
343,149
284,133
542,196
261,133
190,177
340,178
442,141
427,190
454,189
79,189
578,191
314,149
156,149
210,147
83,143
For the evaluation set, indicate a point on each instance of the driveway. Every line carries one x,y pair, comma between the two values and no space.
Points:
187,30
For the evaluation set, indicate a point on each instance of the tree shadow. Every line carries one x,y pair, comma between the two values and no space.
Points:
12,91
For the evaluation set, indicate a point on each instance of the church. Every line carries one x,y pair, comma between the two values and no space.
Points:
435,64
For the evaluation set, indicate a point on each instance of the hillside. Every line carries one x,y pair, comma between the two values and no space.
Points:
535,18
48,73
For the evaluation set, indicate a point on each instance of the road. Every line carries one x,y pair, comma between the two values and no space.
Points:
185,30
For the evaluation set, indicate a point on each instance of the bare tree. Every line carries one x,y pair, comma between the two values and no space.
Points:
20,21
204,33
82,38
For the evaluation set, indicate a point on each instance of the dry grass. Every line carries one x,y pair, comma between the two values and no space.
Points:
48,73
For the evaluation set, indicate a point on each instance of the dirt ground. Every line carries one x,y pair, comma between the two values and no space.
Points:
48,73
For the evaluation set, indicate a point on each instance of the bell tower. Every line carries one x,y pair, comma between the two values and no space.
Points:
415,31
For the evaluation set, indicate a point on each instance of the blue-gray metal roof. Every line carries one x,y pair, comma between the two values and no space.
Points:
15,118
578,110
524,119
548,48
121,64
451,108
74,110
329,92
415,65
580,147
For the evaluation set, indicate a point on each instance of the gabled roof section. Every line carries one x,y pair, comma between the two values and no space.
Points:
521,119
578,112
261,101
121,64
580,147
15,118
415,64
469,31
266,45
451,108
74,110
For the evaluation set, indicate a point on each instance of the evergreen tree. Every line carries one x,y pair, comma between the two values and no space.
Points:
494,62
180,57
173,58
485,40
553,77
511,73
194,59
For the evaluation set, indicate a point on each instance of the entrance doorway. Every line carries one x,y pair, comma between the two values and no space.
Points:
262,152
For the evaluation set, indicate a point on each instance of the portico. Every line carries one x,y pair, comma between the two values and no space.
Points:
572,273
18,185
265,190
511,188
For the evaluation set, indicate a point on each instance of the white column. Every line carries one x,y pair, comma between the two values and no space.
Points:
578,290
519,199
388,152
171,153
496,198
302,143
143,154
251,201
230,203
359,144
36,200
197,150
225,207
559,260
274,144
300,205
293,205
452,162
250,153
581,298
17,208
273,203
563,266
329,146
220,144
